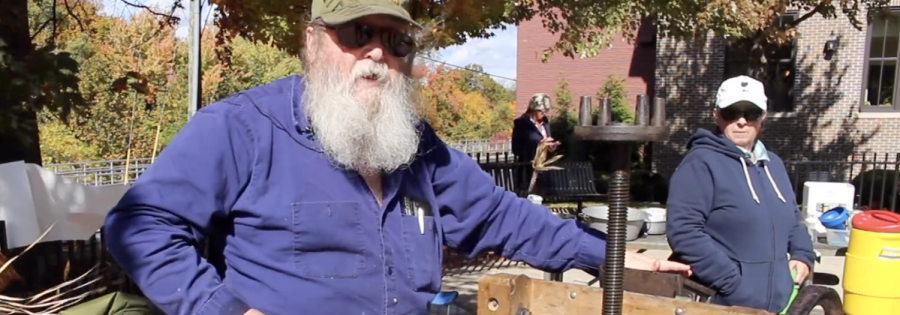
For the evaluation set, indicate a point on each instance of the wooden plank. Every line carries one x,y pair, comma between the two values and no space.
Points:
505,294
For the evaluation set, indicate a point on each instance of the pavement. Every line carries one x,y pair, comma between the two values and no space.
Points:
827,273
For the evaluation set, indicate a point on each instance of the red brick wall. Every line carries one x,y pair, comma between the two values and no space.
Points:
826,124
635,63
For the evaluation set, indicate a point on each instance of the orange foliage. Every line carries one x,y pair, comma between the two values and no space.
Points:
456,113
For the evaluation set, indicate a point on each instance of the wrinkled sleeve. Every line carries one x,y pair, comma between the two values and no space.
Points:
690,201
155,229
478,216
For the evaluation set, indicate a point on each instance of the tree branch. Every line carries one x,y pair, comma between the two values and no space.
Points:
41,28
809,14
169,17
73,15
54,32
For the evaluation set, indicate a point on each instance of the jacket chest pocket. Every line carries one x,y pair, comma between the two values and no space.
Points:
422,250
328,239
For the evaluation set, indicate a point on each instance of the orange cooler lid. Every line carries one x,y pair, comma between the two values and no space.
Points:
880,221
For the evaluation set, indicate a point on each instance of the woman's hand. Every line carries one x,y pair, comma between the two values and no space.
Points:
253,312
802,270
634,260
551,143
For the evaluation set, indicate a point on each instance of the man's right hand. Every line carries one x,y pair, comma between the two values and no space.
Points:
253,312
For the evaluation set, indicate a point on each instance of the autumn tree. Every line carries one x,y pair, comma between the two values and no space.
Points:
464,104
135,74
34,75
28,85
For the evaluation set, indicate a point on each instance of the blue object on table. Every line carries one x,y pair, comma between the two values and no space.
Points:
835,218
444,298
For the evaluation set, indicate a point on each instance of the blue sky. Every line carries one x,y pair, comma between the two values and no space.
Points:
497,55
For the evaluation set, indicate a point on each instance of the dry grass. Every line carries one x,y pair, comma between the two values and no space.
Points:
52,300
542,164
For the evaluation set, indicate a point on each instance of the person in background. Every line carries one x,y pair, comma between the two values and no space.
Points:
732,213
532,128
329,192
529,130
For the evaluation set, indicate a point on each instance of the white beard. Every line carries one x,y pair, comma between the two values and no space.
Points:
370,131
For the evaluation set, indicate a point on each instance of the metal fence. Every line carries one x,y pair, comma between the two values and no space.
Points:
483,146
117,172
875,176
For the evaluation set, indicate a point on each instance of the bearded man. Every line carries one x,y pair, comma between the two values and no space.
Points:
330,193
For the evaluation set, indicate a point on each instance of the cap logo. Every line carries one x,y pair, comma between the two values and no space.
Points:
744,84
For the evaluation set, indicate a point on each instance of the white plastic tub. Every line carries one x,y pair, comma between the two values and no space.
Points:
598,217
837,237
656,221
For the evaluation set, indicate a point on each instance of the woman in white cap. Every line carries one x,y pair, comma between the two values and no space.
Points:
732,213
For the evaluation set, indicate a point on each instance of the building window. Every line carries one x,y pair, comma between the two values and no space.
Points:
880,72
776,71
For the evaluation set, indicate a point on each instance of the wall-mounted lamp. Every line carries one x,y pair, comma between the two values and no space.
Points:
831,46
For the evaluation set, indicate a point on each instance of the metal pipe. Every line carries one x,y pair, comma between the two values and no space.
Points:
642,112
194,59
659,112
585,116
605,114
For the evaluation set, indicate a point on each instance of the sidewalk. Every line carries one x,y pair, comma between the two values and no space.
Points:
828,273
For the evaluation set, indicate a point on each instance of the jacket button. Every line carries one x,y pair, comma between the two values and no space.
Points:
394,300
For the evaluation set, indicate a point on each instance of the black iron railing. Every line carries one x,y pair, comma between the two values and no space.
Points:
875,176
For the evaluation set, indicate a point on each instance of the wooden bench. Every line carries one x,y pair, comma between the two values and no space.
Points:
511,176
574,183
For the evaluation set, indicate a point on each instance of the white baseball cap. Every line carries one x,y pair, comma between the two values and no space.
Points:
741,89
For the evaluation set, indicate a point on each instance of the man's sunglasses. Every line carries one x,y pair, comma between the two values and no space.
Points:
733,113
354,35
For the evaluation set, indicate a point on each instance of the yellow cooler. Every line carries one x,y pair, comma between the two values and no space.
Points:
872,266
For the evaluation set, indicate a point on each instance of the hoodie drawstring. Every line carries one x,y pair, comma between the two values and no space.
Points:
771,180
749,183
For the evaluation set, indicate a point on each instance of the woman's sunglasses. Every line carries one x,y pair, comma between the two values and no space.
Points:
733,113
354,35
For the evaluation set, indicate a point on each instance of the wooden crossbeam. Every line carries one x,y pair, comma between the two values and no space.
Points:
506,294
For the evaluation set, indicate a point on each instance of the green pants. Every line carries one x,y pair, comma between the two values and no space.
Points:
115,303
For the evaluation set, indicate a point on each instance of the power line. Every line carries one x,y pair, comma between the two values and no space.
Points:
467,69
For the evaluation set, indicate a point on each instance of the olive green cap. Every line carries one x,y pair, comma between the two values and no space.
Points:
334,12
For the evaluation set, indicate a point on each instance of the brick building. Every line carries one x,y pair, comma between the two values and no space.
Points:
825,104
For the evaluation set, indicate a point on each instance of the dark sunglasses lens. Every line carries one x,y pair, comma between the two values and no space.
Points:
753,115
355,35
730,114
399,44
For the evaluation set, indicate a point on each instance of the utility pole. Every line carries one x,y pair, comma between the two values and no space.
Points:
195,75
